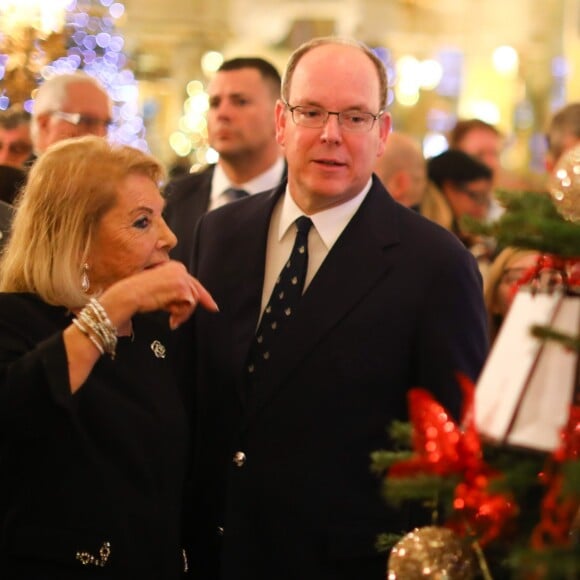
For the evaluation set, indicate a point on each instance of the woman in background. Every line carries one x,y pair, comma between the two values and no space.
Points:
93,433
500,283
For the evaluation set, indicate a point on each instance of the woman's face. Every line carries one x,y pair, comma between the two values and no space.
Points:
514,271
472,198
131,236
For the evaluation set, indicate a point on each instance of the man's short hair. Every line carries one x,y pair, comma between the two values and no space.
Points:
465,126
266,69
52,94
456,166
13,118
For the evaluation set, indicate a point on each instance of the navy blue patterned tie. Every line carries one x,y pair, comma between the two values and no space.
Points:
234,193
283,301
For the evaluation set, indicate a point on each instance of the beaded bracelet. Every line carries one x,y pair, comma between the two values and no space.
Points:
86,332
93,321
105,326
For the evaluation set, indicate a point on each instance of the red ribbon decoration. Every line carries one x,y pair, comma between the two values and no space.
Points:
558,512
567,268
444,448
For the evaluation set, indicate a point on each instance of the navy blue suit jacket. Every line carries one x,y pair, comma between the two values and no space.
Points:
187,200
396,304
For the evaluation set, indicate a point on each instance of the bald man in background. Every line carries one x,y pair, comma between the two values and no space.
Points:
563,134
402,170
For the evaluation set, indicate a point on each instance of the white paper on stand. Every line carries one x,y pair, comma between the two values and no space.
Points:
524,393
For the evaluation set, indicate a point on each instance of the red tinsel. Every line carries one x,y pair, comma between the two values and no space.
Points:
562,271
558,511
444,448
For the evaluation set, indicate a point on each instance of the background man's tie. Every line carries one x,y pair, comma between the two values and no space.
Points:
233,193
283,301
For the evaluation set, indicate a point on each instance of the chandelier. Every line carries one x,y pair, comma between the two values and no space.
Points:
31,35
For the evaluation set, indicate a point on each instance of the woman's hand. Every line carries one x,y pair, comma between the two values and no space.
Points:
167,286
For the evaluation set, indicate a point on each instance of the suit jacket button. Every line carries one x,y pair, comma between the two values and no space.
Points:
239,458
220,531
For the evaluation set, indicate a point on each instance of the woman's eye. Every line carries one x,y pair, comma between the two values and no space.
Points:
141,223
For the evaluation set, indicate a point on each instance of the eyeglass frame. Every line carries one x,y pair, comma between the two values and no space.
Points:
482,199
367,114
77,119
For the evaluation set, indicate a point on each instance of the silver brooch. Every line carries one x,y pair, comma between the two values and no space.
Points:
158,349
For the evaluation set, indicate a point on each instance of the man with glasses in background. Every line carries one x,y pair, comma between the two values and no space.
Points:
300,375
69,105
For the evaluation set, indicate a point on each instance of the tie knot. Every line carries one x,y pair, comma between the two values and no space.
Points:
303,224
235,193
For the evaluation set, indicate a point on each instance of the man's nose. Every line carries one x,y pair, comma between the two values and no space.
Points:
332,131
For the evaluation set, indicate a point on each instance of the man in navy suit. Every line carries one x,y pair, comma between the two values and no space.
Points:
240,125
283,487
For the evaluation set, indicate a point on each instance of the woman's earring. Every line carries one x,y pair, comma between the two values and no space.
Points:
85,282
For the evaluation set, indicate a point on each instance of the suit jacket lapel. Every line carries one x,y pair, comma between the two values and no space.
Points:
336,288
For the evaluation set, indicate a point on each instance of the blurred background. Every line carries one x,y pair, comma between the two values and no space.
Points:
511,63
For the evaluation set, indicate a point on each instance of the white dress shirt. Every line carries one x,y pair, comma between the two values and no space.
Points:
327,227
267,180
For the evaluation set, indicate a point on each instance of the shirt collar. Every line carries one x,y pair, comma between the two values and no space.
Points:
267,180
329,223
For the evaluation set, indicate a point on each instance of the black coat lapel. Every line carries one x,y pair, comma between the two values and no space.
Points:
354,265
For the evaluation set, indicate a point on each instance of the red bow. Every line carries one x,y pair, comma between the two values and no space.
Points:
444,448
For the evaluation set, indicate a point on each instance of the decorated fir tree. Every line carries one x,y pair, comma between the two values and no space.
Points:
499,510
90,41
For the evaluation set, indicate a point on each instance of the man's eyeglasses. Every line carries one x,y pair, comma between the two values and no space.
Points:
86,122
479,197
316,118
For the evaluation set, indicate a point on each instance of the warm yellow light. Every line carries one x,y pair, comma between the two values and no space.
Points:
407,93
211,61
505,60
180,143
45,16
194,87
484,110
430,74
211,156
433,144
198,103
408,67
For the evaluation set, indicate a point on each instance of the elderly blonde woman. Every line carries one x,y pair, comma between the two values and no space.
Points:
93,433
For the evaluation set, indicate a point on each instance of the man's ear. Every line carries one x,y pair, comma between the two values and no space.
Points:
281,121
384,129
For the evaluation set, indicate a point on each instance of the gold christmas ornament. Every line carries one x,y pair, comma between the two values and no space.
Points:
564,185
431,552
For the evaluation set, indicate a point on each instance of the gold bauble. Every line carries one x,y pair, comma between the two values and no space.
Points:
564,185
431,552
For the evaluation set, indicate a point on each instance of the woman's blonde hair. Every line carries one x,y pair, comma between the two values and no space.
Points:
493,278
69,189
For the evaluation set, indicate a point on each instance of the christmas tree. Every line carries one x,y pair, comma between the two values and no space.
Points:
90,42
499,511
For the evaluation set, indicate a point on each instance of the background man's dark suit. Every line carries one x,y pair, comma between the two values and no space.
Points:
188,199
396,304
6,213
